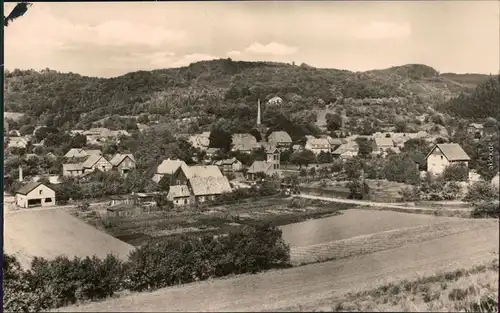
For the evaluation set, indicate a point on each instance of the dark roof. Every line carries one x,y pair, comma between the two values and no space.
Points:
452,151
29,187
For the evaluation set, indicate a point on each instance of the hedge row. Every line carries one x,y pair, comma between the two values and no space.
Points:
161,263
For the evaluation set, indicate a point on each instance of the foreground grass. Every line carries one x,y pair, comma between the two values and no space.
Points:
382,241
471,290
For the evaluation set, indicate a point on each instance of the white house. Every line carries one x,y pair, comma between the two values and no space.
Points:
179,195
35,194
443,155
317,145
94,162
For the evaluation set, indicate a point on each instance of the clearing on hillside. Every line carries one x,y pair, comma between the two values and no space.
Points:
51,233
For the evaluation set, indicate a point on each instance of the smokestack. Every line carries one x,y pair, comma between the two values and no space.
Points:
258,112
20,173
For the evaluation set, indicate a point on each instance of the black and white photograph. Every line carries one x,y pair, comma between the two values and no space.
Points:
251,156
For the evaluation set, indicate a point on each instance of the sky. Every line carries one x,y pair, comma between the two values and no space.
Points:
114,38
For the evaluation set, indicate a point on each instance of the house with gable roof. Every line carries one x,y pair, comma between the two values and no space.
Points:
205,183
317,145
269,167
96,162
124,163
35,194
280,139
167,167
382,145
244,143
445,154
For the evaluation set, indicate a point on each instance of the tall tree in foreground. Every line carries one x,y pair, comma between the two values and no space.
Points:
19,10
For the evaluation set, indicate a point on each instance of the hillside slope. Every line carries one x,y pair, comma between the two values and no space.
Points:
52,232
203,87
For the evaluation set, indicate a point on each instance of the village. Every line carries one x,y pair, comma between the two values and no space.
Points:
213,176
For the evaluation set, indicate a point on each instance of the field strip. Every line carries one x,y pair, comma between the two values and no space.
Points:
381,241
310,284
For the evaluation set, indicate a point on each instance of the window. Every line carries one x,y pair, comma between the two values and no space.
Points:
185,201
441,157
40,192
48,200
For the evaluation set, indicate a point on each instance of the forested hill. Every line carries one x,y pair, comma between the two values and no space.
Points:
212,88
482,103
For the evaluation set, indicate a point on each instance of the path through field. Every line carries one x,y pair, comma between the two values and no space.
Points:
374,204
307,285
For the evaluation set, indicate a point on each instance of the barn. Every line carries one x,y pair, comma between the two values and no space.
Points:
35,194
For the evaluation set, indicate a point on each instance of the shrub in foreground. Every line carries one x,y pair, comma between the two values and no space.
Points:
486,209
178,260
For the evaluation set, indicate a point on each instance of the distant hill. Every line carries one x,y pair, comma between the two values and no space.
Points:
484,102
205,88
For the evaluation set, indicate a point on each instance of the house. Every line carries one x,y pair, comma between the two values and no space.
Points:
51,155
124,163
167,167
280,139
269,167
346,150
297,148
179,195
94,162
476,130
18,142
231,165
75,153
244,143
204,182
381,145
260,167
34,195
76,132
317,145
200,141
73,170
443,155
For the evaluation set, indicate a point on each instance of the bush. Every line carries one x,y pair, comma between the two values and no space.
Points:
177,260
486,209
409,194
481,191
249,250
456,172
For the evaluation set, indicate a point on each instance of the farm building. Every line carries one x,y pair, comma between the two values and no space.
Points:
280,139
124,163
122,210
94,162
204,182
167,167
35,194
73,170
443,155
179,195
116,200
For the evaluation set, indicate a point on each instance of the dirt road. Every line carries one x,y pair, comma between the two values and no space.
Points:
374,204
307,285
14,209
